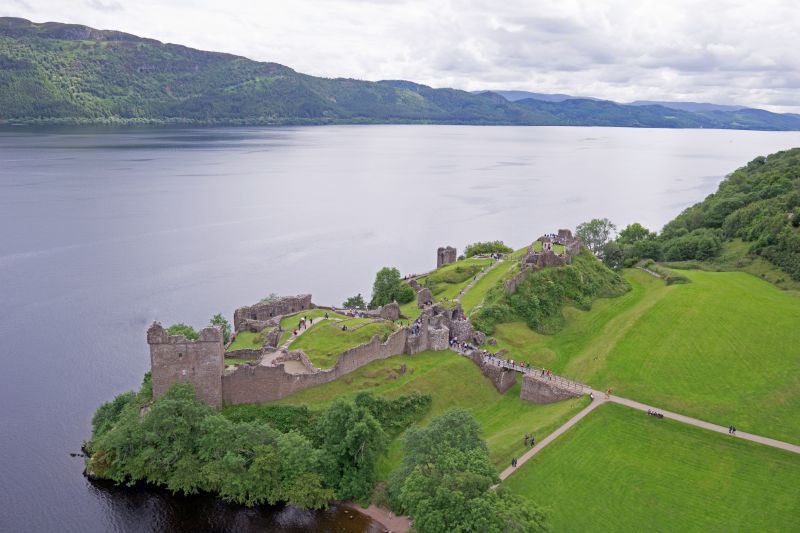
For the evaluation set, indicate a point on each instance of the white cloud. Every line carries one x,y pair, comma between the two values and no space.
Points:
726,51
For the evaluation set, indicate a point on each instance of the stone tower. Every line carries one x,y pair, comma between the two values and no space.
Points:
201,362
445,256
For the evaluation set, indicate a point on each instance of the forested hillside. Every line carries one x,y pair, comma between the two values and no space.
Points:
758,204
66,73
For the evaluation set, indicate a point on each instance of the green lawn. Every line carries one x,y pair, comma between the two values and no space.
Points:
478,291
450,279
723,348
325,340
290,322
410,309
452,381
245,340
621,470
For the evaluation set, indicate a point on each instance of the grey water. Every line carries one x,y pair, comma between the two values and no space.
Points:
103,231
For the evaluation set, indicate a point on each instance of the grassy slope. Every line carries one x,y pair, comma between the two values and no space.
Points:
621,470
735,256
478,291
452,381
325,340
448,291
290,322
244,340
720,348
723,348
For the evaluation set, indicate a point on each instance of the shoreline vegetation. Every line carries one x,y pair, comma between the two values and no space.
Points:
426,441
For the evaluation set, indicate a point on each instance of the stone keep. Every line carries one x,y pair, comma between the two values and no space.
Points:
174,358
445,256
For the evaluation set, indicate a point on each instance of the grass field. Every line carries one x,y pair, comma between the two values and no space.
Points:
621,470
452,381
478,291
722,348
290,322
324,341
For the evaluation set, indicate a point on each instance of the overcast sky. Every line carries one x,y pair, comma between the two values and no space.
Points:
726,51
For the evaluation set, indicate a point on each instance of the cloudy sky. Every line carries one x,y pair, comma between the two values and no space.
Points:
722,51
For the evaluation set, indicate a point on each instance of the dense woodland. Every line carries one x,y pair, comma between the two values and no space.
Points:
56,73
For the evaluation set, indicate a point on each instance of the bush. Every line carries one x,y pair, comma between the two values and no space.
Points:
488,247
185,330
541,295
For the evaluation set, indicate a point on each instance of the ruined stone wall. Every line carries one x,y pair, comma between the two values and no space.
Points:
257,384
244,353
264,311
200,362
461,330
445,256
510,285
541,391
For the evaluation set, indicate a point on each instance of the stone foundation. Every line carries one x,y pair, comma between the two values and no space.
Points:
542,391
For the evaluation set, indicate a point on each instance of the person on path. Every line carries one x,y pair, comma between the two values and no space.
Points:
734,431
608,392
514,462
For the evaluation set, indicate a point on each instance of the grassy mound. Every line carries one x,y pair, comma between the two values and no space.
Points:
290,322
446,282
541,295
478,292
621,470
325,340
721,348
452,381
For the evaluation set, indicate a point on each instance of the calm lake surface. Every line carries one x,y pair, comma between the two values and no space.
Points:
103,231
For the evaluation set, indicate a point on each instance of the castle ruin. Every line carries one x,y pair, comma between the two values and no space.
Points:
273,374
445,256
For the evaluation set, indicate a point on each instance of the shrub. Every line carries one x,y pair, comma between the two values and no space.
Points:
185,330
488,247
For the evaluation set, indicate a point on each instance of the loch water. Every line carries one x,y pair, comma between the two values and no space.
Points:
103,231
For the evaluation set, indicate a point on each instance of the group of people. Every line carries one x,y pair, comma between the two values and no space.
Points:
529,440
732,430
303,324
655,413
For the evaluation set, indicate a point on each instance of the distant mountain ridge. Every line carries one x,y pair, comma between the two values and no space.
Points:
54,73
